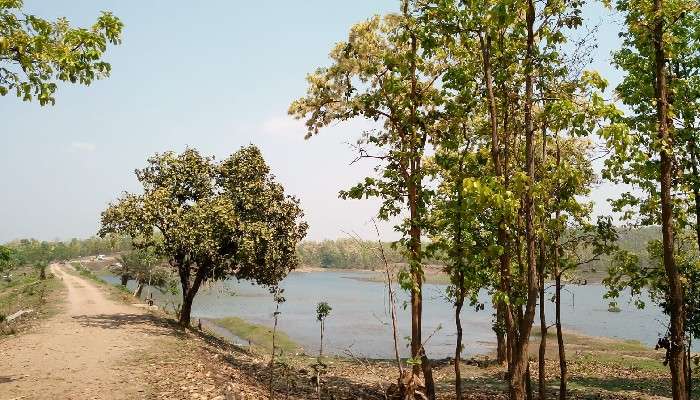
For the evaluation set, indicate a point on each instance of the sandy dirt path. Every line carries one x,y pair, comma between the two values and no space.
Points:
83,352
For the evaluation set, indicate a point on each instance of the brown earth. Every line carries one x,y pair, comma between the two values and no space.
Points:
80,353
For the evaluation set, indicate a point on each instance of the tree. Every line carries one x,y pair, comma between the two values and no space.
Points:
323,310
36,53
142,265
384,73
654,146
214,220
514,53
456,231
36,254
5,258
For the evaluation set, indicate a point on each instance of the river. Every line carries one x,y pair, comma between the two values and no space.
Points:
360,321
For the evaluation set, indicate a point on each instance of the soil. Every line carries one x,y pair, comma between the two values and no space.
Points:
79,353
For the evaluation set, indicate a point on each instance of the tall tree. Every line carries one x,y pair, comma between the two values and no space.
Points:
35,53
217,219
383,73
658,55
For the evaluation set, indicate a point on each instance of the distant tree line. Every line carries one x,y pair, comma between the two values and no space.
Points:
348,253
37,253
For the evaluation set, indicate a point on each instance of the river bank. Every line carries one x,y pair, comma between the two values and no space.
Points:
192,364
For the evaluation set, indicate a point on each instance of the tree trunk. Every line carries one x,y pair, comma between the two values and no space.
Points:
139,289
520,365
675,298
189,292
504,260
563,373
542,381
528,383
500,334
125,279
689,367
696,187
414,186
42,273
458,348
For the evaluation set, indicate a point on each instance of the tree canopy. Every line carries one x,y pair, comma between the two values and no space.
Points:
214,220
35,53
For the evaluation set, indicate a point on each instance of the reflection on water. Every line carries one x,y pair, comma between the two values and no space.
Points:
360,321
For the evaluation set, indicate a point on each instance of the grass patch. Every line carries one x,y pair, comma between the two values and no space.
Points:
612,360
259,335
26,291
591,385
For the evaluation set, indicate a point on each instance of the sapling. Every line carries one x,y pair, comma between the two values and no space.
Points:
279,299
323,309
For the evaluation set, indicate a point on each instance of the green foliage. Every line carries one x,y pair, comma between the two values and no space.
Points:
346,254
144,266
212,220
382,73
5,258
31,251
323,310
36,53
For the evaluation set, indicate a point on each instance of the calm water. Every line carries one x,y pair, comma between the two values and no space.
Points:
360,320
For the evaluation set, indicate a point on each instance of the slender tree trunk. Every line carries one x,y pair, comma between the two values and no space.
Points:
504,260
542,379
501,351
458,348
414,187
272,355
125,279
563,373
517,387
689,367
318,370
677,345
696,187
139,290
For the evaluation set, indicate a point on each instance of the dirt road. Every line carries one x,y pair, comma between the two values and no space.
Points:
82,353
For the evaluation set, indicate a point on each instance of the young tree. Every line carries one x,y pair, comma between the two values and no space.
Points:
36,53
215,220
385,73
456,232
323,310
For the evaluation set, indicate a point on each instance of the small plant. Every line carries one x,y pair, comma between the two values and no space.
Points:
323,310
279,299
613,307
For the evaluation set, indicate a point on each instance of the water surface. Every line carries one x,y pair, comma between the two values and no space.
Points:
360,322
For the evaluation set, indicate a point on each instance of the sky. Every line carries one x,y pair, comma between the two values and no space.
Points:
213,77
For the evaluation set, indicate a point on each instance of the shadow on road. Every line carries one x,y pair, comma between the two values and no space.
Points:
144,323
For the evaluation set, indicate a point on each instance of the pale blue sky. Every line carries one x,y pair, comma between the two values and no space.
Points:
212,75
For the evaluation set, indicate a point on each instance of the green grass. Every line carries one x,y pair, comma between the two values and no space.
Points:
27,291
612,360
259,335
